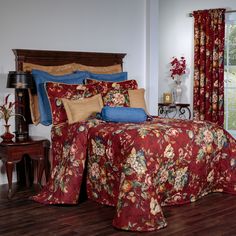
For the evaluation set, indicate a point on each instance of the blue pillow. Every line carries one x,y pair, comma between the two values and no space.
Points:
41,77
123,114
117,77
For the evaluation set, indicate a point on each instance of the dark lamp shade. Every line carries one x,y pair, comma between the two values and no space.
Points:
20,80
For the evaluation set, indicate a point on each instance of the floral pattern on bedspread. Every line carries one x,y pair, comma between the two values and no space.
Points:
140,167
69,148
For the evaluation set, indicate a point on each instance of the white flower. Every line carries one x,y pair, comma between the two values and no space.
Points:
169,152
210,176
164,176
233,162
220,138
137,162
181,178
98,148
208,137
118,98
95,170
190,134
154,207
81,128
73,148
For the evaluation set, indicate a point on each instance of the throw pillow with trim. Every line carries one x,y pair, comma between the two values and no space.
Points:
40,77
57,91
116,94
82,109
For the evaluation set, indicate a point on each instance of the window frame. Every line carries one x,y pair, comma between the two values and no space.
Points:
226,77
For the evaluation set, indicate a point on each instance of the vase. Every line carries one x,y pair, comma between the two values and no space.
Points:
177,90
7,136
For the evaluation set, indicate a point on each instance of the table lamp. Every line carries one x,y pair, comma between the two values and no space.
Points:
20,81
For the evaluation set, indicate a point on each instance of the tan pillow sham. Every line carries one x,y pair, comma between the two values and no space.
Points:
100,69
54,70
137,99
34,108
79,110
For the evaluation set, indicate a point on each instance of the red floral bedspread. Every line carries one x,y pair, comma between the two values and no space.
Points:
140,167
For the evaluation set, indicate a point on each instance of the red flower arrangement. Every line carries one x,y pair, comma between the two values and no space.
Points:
178,66
7,110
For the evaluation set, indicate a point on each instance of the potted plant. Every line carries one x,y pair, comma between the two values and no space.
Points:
178,69
7,110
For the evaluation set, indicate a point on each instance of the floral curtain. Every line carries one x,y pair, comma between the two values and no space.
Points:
209,32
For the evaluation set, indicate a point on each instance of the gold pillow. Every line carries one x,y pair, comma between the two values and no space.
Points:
79,110
54,70
100,69
34,107
137,99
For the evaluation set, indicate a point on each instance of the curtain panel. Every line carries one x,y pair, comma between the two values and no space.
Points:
209,33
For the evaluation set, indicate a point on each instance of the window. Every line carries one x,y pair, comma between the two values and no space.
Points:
230,73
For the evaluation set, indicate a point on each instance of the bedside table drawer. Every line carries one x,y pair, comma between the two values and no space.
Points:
35,151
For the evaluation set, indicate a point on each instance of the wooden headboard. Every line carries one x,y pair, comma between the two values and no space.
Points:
54,58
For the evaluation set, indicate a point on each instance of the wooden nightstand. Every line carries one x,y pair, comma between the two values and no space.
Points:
37,148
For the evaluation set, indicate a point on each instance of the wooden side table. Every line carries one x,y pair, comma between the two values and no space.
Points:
37,148
179,110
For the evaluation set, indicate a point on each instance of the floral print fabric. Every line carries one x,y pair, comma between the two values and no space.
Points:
138,168
56,91
209,31
116,93
113,94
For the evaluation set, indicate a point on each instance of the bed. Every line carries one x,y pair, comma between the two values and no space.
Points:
136,167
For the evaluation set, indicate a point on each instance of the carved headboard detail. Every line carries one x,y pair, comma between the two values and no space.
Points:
53,58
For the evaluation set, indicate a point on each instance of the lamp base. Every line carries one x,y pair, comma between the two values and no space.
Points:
21,136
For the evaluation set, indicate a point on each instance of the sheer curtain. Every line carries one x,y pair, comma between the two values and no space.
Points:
209,32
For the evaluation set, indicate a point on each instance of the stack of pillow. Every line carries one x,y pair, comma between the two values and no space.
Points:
63,96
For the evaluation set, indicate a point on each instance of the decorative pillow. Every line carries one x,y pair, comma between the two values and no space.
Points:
54,70
118,77
57,91
79,110
40,77
116,94
136,98
100,69
123,114
34,107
